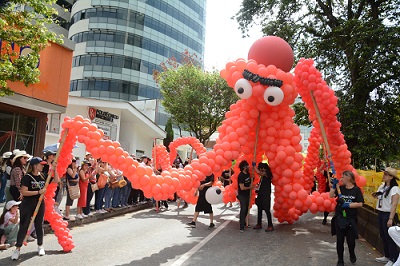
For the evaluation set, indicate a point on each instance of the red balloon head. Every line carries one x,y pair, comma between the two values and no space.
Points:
272,50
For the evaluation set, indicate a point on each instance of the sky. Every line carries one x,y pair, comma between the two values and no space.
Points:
224,40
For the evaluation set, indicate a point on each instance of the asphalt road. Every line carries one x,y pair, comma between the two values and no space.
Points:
150,238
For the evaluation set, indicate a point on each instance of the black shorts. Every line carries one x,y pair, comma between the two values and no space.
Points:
203,205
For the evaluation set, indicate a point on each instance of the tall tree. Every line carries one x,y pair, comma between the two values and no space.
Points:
196,100
356,45
23,24
170,134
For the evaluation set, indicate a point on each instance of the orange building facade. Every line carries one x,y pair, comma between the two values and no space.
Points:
23,116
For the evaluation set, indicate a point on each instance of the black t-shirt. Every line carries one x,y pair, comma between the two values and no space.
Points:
265,185
33,183
209,178
244,179
225,175
350,195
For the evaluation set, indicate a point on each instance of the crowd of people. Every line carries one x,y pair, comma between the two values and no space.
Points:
23,180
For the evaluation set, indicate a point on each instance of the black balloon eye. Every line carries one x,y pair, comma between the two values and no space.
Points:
240,90
271,99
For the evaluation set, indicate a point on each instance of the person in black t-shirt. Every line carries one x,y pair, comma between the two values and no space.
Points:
202,203
263,200
226,180
345,219
32,186
244,187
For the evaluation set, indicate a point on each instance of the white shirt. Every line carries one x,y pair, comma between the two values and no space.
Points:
384,204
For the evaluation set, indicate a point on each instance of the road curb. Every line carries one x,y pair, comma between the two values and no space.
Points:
101,216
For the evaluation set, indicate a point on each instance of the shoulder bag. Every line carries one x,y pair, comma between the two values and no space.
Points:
74,191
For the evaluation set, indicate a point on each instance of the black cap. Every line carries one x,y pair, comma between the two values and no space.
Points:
144,156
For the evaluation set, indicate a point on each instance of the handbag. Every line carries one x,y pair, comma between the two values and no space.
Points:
94,187
74,191
102,181
122,183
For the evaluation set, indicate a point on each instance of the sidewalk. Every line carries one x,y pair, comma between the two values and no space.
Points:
96,216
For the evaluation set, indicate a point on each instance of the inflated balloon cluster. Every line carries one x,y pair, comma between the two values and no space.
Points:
259,124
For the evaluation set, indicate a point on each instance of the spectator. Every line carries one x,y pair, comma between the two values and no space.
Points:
18,171
72,179
92,180
84,177
49,157
388,198
4,176
394,233
101,168
7,174
9,221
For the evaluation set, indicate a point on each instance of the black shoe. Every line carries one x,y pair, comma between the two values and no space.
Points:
192,224
353,258
340,263
211,226
324,221
269,229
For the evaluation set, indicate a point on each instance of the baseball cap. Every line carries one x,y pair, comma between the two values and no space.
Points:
36,160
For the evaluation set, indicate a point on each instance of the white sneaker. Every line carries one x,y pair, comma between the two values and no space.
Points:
382,259
389,263
90,214
79,216
98,211
84,215
103,211
15,254
41,251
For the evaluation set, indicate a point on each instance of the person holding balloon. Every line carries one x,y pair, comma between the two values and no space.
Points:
244,187
263,200
32,187
202,203
349,198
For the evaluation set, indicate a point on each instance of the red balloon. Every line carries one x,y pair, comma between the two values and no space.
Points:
272,50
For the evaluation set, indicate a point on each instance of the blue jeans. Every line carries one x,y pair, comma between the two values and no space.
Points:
108,194
389,247
99,195
116,197
125,192
3,181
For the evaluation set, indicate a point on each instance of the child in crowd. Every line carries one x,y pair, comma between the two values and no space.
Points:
9,221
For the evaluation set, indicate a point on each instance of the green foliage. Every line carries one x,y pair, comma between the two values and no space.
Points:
196,100
24,23
356,46
170,134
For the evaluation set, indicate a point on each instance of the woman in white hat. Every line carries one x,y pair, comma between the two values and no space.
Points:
18,171
32,186
5,176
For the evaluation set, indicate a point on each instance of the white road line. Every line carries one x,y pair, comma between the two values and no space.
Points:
188,254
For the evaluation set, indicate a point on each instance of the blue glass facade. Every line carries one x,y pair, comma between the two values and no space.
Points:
120,43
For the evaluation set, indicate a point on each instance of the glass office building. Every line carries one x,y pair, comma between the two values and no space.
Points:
119,43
